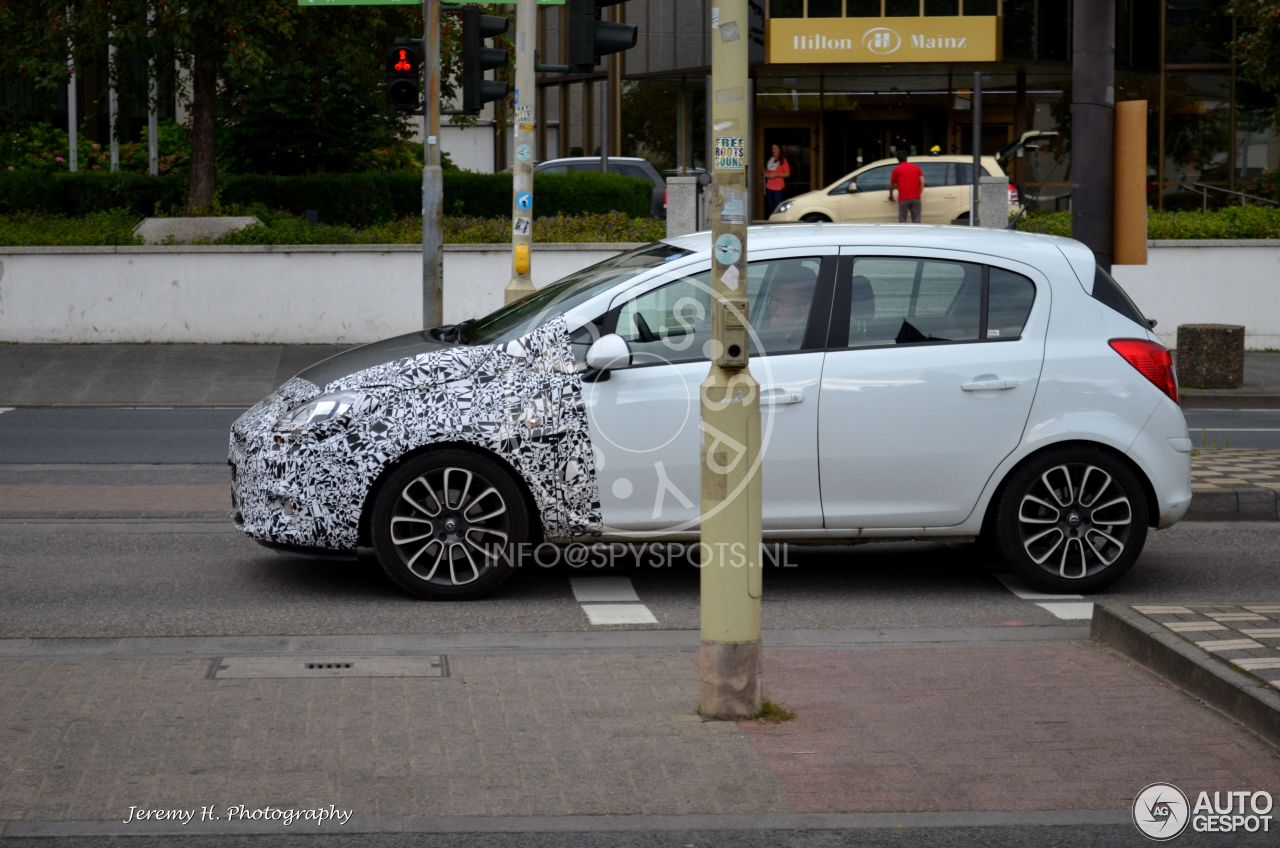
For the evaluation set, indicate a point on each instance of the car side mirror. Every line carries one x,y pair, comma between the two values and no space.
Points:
605,354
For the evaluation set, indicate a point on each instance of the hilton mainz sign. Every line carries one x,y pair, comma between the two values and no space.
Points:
921,39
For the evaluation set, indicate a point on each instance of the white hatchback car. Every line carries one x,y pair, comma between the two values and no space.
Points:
916,382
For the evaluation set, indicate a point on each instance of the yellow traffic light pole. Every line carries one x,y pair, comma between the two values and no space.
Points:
730,655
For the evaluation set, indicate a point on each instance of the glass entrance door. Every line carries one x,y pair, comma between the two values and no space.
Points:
797,135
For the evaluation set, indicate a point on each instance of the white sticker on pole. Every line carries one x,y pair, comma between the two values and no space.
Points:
728,250
734,208
730,153
730,278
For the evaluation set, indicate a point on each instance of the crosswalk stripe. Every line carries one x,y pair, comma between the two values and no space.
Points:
610,600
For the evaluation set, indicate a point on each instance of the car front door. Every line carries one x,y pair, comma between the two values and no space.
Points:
871,201
938,198
645,419
923,392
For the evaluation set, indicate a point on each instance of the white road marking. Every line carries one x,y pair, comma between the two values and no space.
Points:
4,409
1262,634
603,589
1015,585
1239,429
610,600
1069,610
1165,610
619,614
1252,663
1065,607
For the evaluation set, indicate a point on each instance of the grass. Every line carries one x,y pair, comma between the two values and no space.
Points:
770,713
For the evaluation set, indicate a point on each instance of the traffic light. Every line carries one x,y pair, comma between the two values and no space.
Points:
404,75
476,59
590,37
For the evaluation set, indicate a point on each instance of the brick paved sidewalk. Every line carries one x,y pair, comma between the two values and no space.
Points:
894,728
1246,636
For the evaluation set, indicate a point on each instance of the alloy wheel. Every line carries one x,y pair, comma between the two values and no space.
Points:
449,526
1075,520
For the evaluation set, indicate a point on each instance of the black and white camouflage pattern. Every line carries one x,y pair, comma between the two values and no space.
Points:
521,401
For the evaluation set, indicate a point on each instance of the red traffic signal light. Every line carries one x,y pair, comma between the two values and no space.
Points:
404,66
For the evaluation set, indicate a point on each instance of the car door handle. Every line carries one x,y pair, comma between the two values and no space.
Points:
989,385
778,397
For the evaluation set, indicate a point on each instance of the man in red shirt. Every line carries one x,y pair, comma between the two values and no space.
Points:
908,179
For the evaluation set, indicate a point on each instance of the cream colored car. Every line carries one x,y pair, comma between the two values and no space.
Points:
863,196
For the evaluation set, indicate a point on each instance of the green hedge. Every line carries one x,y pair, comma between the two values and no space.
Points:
1233,222
89,193
28,229
357,200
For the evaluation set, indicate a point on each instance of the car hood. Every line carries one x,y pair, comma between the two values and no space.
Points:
363,358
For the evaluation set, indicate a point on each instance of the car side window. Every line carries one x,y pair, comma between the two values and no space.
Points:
673,322
877,179
935,173
554,169
963,173
1008,303
906,301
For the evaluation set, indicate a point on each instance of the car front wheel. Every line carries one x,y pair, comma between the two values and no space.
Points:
1072,520
446,525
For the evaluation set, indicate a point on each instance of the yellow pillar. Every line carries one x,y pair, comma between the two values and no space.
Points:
730,656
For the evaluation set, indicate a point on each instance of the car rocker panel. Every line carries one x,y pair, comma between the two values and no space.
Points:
307,485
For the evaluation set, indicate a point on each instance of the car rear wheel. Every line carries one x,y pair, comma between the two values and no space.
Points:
446,525
1072,520
815,218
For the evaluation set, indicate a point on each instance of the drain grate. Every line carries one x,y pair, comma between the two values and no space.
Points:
433,665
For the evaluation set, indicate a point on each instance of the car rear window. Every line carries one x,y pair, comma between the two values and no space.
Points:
1108,291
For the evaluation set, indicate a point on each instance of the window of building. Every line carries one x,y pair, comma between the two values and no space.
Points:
902,8
942,7
826,8
981,7
863,8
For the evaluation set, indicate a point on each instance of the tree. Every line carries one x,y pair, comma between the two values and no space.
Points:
1257,49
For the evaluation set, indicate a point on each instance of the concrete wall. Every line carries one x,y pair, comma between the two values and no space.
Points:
352,294
1209,282
250,294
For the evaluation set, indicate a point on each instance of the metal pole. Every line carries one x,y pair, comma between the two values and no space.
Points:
432,174
526,101
1093,104
730,654
73,117
113,101
974,217
153,98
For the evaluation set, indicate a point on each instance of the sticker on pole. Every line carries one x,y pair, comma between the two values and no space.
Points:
730,153
728,249
522,226
524,200
524,153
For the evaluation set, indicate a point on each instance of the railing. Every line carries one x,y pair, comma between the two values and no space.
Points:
1203,190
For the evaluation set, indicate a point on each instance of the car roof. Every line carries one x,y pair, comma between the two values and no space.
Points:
1023,247
566,159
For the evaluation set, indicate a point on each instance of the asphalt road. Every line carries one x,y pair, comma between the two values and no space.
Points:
199,435
118,579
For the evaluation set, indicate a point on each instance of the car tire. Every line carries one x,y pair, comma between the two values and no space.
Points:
1072,520
815,218
447,524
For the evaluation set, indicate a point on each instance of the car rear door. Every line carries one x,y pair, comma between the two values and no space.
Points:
923,392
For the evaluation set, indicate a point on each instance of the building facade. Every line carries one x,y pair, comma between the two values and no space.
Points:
839,83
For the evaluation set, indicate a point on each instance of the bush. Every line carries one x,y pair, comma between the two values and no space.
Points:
88,193
1232,222
354,200
29,229
609,227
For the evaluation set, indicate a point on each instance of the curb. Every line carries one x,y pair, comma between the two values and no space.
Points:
1240,696
1234,505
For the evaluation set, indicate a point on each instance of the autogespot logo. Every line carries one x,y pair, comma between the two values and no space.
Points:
1161,811
881,40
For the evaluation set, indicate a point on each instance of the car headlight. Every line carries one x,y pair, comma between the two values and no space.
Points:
327,407
783,207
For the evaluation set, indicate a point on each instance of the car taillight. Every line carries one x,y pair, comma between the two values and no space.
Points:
1013,195
1152,360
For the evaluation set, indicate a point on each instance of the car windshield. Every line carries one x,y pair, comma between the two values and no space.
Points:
516,319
